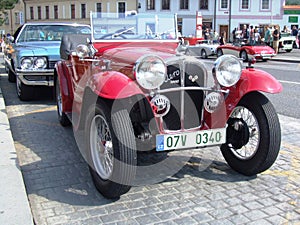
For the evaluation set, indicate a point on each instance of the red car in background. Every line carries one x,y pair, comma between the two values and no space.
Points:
248,51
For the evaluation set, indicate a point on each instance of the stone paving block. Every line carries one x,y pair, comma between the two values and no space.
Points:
148,219
239,219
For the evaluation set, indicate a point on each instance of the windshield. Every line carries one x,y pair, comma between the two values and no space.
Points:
50,32
133,27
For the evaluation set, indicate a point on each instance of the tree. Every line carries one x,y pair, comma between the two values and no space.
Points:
6,5
292,2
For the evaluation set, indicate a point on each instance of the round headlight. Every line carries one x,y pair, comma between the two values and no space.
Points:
228,70
150,72
82,51
26,63
40,63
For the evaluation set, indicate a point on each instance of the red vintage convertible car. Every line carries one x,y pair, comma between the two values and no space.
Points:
126,89
247,51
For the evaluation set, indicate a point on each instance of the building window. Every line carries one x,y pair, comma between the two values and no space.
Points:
55,12
98,9
203,4
184,4
83,11
150,4
265,4
17,18
39,12
224,4
46,12
31,13
245,4
6,22
165,4
72,11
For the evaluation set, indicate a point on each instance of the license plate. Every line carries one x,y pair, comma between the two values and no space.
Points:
190,139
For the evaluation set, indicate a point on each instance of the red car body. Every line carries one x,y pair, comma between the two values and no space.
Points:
247,51
142,92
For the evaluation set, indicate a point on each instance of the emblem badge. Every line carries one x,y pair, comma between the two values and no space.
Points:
212,101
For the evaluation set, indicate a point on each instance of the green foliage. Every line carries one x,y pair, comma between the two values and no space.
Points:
6,5
292,2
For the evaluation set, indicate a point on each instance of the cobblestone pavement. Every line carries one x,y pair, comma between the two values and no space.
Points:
205,190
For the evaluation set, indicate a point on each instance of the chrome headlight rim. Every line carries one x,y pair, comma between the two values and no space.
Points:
150,72
228,70
82,51
26,63
40,62
33,63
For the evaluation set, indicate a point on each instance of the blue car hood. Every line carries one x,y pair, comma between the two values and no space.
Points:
40,48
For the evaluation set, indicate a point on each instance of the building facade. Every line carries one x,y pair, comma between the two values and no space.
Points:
219,15
224,15
61,11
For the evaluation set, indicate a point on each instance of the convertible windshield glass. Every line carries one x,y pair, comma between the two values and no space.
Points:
133,27
50,32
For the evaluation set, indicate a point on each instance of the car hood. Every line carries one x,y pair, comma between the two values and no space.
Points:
265,49
49,49
129,54
123,58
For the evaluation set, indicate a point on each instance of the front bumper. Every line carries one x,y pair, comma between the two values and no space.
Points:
263,56
36,77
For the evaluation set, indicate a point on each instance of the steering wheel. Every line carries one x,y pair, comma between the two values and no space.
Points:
113,36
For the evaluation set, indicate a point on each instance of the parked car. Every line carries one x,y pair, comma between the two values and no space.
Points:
286,42
247,51
32,54
203,48
125,89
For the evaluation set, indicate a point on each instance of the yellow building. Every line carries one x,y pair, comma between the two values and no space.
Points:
13,19
62,11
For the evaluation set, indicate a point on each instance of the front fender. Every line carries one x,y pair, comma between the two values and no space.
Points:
61,73
113,85
258,80
252,80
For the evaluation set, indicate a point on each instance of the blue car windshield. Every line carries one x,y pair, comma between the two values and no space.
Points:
106,26
49,32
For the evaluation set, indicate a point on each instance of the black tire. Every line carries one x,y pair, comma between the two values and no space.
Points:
203,54
244,56
24,92
11,76
288,50
118,149
259,129
219,52
62,117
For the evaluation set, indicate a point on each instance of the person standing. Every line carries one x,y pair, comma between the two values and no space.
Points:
276,39
3,44
222,39
267,36
298,36
257,36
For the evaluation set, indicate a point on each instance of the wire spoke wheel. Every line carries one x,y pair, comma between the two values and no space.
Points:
101,147
248,150
253,135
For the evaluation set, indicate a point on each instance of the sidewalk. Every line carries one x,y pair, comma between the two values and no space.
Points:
293,56
14,209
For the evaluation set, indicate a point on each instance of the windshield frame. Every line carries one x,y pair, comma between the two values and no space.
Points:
112,27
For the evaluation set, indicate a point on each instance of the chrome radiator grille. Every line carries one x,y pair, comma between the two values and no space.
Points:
52,64
185,88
